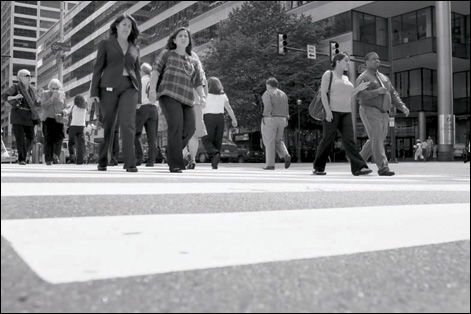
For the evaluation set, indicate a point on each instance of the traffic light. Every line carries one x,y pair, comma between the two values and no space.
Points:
334,49
282,44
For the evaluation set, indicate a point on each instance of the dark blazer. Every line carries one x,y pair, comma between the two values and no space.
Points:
110,63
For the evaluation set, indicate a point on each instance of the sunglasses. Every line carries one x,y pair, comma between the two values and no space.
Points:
28,76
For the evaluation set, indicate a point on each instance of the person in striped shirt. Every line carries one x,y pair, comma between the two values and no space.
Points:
178,71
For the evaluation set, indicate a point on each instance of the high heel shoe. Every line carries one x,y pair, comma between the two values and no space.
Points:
191,166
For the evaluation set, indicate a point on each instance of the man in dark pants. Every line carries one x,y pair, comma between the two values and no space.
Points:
375,102
24,116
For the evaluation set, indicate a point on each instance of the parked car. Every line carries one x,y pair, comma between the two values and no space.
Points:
228,152
249,147
11,158
459,150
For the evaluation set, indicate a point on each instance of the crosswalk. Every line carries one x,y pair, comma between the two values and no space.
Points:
263,217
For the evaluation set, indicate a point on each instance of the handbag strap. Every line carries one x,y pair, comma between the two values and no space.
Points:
330,84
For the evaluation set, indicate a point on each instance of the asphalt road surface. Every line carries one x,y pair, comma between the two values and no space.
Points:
237,239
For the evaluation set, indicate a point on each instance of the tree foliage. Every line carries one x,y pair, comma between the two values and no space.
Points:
245,56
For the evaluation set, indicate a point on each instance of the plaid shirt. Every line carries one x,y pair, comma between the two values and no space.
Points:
176,81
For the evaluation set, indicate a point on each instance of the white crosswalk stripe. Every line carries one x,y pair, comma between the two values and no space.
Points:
77,249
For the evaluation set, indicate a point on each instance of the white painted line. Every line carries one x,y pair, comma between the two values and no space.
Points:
65,250
72,188
216,176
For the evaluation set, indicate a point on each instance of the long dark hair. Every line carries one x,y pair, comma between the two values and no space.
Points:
215,86
134,31
339,57
172,46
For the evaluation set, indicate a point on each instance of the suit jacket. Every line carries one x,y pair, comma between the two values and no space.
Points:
110,63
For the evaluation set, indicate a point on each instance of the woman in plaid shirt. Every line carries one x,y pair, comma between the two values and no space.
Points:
179,73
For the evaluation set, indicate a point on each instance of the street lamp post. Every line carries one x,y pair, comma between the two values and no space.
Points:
298,137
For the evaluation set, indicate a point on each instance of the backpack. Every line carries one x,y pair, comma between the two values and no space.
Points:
316,108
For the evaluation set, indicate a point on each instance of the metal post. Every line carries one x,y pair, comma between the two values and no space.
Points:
61,30
446,132
392,123
298,142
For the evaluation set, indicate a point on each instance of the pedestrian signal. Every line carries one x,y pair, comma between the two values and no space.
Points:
282,44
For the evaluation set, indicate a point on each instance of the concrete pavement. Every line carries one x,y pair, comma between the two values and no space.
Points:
238,239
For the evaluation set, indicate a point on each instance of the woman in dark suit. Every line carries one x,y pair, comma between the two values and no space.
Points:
116,84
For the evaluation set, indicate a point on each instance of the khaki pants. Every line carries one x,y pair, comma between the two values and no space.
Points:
376,126
272,134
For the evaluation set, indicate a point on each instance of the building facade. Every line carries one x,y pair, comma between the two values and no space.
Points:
403,33
23,22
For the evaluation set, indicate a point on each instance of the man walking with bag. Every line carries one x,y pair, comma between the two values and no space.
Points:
275,119
375,102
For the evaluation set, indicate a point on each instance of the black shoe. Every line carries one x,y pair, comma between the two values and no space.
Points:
215,161
191,166
101,168
149,165
22,163
55,160
176,170
287,161
362,172
319,173
388,173
269,168
48,163
131,169
138,162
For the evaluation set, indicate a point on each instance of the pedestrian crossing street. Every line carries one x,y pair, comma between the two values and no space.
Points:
67,248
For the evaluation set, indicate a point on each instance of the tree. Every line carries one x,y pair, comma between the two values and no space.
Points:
245,56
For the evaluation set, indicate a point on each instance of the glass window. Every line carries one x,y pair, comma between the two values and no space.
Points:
27,11
357,23
25,22
402,83
25,32
424,22
458,34
435,83
397,30
337,24
459,85
46,24
428,84
367,30
24,55
415,83
24,43
50,14
381,31
409,27
51,4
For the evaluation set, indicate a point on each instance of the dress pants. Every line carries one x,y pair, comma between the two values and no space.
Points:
76,137
341,121
215,127
121,101
181,127
147,116
53,138
376,126
272,134
24,136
